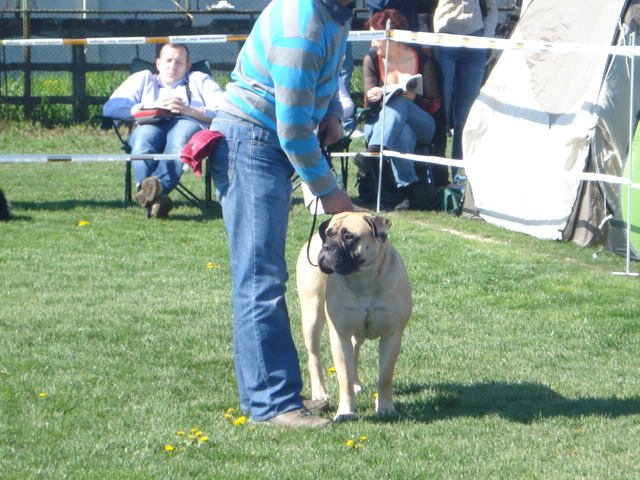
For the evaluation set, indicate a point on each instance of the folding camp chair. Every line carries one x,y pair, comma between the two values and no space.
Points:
120,126
369,172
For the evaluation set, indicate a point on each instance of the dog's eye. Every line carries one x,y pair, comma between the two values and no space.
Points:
348,237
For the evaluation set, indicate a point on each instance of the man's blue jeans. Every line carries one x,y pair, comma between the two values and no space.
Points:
252,177
168,136
405,125
462,72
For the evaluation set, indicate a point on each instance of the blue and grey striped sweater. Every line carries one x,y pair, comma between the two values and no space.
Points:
286,79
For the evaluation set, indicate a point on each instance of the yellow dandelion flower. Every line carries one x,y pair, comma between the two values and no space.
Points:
351,443
211,265
331,370
180,432
194,429
191,436
83,223
204,438
363,438
375,395
231,410
228,415
240,421
42,394
198,433
358,445
169,448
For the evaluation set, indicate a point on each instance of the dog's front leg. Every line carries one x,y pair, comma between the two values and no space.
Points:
313,320
388,351
357,343
343,358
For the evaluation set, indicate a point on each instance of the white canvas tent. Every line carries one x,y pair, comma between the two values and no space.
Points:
544,117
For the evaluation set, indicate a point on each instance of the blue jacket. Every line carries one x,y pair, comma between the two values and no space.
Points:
286,79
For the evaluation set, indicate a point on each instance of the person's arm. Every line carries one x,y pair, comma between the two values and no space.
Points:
491,20
206,96
211,94
294,66
348,107
371,81
429,101
127,98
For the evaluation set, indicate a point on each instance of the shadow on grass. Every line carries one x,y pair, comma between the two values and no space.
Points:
213,212
521,402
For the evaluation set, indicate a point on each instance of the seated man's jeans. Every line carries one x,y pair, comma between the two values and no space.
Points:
168,136
462,73
405,125
252,177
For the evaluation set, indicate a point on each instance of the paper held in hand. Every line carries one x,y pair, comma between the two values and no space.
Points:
411,84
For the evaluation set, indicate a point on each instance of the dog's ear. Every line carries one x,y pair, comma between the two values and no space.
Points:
322,229
380,226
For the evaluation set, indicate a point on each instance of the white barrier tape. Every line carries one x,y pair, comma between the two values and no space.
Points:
207,38
585,176
422,38
449,40
84,158
599,177
25,42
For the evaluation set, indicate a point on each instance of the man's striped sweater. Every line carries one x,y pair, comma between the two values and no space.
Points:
286,79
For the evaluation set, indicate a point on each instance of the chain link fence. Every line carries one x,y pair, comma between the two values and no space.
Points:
80,78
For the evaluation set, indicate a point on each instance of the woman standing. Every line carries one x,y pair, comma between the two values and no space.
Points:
462,68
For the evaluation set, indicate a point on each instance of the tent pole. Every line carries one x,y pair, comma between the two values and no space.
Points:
630,157
382,114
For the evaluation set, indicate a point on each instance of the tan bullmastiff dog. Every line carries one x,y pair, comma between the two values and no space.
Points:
361,285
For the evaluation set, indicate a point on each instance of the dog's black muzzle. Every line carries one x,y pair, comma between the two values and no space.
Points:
334,257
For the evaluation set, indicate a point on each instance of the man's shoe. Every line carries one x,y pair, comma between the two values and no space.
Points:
316,405
403,205
300,417
150,189
161,207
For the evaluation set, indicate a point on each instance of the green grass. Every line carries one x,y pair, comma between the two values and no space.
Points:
520,360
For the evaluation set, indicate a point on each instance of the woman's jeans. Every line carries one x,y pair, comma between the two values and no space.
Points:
252,177
405,125
462,72
168,136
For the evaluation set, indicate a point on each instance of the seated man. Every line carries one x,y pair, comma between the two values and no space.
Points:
191,96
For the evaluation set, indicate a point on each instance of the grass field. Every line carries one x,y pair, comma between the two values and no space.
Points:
520,360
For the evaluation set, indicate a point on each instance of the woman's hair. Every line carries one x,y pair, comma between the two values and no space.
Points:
378,21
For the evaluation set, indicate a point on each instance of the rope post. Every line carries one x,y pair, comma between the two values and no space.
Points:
384,109
632,61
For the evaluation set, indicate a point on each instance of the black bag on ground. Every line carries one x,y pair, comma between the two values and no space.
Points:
423,196
5,207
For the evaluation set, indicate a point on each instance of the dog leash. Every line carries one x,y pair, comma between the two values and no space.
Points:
327,157
312,231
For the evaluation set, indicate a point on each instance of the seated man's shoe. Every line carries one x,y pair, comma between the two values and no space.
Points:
161,207
403,205
149,191
300,417
316,405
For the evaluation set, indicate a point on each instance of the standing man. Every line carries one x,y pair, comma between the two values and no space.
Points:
282,99
191,96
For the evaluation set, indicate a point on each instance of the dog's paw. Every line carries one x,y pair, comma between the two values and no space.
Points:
344,417
384,407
